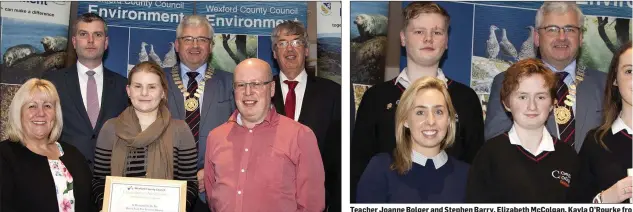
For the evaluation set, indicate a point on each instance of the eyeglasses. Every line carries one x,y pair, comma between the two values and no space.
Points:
254,85
553,30
293,43
188,40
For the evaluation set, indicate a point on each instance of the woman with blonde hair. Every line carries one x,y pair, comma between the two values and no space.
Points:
144,141
419,170
606,153
36,167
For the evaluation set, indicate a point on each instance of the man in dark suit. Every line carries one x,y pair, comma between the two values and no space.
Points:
201,96
558,36
89,93
310,100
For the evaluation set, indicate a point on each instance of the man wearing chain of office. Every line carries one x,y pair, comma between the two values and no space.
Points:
198,94
558,36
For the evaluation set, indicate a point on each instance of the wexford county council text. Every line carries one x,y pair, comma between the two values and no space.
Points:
494,209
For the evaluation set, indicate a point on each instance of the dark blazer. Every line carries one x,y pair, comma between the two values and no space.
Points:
588,108
78,130
27,182
217,105
321,112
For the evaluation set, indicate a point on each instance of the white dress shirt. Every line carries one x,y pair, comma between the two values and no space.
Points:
300,90
83,81
619,125
403,78
547,144
439,160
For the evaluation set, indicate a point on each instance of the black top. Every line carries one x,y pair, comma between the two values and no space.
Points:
26,179
374,130
506,173
600,168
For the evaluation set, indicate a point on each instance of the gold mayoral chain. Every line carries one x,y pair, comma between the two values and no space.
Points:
562,114
191,103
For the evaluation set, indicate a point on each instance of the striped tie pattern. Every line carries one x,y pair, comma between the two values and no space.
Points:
92,98
193,117
566,130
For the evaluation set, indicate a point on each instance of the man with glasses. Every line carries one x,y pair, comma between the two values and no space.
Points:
310,100
260,160
201,96
577,108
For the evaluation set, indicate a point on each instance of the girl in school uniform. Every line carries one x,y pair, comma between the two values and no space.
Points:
606,155
525,164
418,170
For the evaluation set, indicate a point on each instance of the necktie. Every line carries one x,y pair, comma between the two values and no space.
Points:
92,98
193,117
291,99
566,130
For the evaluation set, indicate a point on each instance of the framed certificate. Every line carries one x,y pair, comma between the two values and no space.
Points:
131,194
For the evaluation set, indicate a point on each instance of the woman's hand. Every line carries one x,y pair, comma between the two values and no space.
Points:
619,192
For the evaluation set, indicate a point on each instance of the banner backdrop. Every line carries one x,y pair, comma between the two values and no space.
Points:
139,31
146,30
243,29
32,40
329,40
510,25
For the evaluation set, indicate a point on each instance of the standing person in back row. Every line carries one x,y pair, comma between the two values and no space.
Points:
425,37
310,100
89,93
201,96
558,35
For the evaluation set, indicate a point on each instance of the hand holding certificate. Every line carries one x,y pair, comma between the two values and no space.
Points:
127,194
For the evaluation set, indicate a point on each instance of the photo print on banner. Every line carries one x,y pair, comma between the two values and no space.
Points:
329,40
32,41
368,45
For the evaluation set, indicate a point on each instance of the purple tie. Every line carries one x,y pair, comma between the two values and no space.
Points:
93,98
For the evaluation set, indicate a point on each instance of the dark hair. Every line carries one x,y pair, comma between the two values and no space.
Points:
151,67
525,68
414,9
612,103
89,18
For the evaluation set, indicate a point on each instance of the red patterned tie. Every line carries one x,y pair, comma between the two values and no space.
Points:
566,130
291,99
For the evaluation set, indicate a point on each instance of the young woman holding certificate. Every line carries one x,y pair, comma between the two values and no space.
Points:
144,141
419,170
525,164
606,153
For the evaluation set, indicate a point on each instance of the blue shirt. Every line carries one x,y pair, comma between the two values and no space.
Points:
185,79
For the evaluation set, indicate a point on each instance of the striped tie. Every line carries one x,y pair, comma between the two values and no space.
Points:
193,117
566,130
92,98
